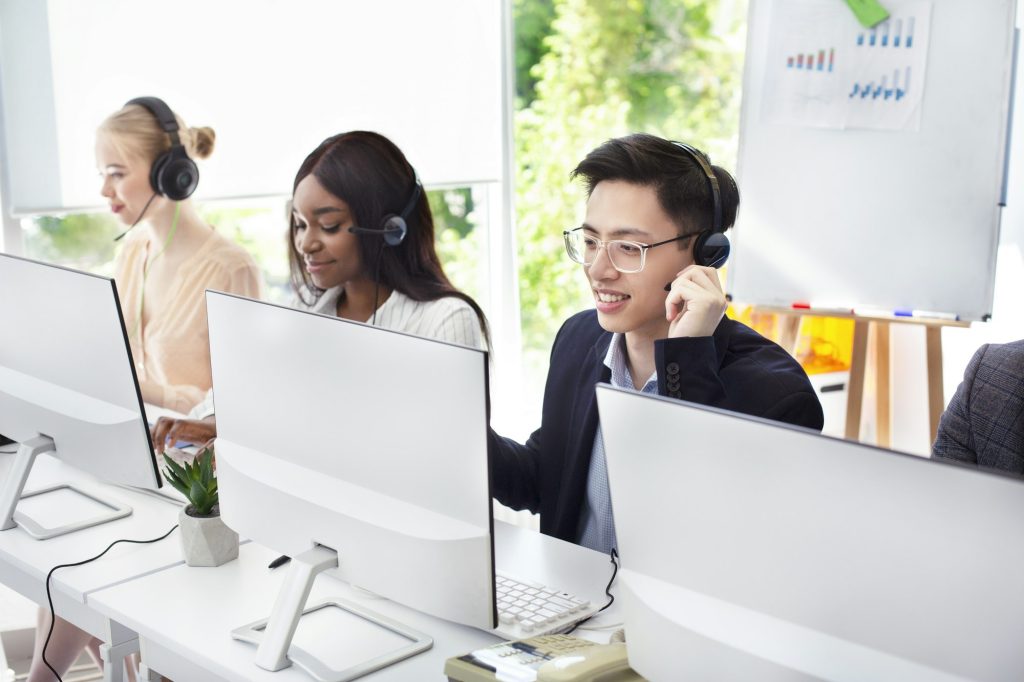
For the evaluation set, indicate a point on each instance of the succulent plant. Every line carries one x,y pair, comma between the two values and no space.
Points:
197,481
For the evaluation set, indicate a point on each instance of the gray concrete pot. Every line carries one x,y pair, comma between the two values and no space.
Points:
206,540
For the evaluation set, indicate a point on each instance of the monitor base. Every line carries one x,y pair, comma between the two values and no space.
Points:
13,493
273,635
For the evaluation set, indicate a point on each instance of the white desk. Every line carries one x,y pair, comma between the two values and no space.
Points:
184,616
25,561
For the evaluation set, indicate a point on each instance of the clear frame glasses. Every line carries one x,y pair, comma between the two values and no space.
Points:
625,256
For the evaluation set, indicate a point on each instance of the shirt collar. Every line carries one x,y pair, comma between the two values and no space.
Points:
327,304
615,360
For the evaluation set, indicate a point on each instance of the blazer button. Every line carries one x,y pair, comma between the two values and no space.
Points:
673,368
674,394
673,386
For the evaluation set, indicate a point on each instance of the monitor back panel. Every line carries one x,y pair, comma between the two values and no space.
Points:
67,370
916,560
375,408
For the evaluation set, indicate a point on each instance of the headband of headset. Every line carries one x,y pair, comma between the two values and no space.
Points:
716,196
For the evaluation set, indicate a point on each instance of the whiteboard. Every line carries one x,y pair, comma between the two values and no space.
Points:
272,78
880,219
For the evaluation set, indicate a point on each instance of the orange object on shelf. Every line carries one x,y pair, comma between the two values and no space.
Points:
825,344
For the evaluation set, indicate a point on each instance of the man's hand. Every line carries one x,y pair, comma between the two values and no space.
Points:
168,430
696,302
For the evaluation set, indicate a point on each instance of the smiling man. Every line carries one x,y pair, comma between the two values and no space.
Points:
649,247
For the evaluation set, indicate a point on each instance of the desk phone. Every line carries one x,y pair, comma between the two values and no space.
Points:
549,658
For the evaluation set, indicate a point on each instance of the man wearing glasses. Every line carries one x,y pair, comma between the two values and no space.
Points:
649,246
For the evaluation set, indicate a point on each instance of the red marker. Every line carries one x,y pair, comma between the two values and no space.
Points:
800,305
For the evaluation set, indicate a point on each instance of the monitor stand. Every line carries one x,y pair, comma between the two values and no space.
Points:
15,485
273,636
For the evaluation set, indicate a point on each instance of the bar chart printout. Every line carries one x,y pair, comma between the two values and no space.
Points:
827,71
886,88
804,84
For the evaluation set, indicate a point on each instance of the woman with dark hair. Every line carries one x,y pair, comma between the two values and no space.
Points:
362,244
361,247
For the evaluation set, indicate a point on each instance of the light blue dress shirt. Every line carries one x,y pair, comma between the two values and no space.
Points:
597,523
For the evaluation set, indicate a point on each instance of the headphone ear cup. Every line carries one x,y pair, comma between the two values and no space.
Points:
175,175
394,229
711,249
156,171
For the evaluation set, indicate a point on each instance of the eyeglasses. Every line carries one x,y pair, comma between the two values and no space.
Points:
625,256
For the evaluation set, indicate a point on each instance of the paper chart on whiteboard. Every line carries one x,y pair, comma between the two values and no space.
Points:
825,70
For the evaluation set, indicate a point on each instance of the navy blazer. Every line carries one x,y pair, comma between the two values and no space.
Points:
735,369
984,422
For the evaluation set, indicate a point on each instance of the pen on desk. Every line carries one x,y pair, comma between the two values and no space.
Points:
279,561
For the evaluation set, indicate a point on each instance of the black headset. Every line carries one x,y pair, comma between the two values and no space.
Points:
393,227
711,248
173,174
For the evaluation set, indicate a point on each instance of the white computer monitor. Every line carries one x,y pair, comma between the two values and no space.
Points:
755,550
68,387
357,450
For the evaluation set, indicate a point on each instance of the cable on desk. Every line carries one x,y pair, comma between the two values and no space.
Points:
614,556
49,597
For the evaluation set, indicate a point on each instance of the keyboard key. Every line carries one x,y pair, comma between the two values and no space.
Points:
563,602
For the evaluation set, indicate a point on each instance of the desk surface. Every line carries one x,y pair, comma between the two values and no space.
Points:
184,616
25,561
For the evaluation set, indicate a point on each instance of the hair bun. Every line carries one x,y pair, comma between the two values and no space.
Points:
203,139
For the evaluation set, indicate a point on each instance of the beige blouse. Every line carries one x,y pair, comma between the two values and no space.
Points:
172,351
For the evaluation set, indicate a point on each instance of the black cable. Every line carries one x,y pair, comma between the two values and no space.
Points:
376,284
49,598
614,556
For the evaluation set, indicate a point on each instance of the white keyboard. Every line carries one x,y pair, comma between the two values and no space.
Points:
528,609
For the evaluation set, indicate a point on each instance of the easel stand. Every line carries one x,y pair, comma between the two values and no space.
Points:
863,329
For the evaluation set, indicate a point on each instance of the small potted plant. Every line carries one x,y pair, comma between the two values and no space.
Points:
205,539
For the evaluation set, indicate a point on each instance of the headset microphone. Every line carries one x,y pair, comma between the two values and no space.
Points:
173,174
393,227
393,236
137,220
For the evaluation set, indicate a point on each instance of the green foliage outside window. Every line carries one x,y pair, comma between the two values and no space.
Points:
607,68
84,241
587,70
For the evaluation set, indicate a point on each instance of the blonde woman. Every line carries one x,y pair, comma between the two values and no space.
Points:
171,255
